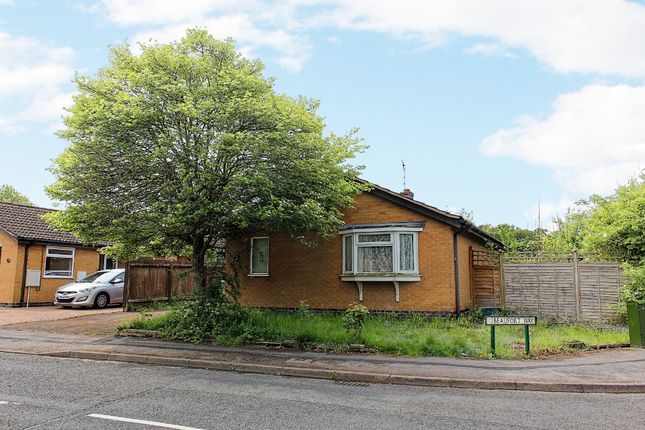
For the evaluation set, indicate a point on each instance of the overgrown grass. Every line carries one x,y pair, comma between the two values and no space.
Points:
414,335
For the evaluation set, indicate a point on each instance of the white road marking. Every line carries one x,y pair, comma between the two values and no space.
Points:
3,403
144,422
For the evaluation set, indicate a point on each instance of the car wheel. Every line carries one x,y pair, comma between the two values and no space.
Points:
101,301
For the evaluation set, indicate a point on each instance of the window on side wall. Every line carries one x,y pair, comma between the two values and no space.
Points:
384,251
59,262
259,256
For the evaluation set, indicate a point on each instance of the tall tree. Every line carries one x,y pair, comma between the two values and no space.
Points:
187,144
612,225
616,224
10,195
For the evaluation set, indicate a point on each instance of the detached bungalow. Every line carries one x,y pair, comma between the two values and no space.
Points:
35,259
394,253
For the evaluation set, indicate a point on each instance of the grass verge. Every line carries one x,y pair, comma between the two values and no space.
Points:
414,335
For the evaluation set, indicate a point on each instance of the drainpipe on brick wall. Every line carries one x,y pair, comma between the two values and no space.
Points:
455,240
24,274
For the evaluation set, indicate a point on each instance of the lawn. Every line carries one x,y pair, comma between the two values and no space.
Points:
414,335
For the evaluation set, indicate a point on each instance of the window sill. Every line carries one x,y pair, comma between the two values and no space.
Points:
258,275
387,277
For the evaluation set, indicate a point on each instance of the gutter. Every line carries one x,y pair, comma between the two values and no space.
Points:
24,273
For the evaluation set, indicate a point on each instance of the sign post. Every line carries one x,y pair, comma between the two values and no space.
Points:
493,321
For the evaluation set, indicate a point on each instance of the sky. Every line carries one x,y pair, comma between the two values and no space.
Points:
493,106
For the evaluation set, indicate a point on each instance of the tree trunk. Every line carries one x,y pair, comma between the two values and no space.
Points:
199,265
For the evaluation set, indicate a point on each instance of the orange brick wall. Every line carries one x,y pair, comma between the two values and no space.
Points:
8,267
85,260
297,272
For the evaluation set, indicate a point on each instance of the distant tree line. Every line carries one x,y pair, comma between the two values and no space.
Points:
612,226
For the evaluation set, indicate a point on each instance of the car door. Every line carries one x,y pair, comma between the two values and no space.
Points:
116,288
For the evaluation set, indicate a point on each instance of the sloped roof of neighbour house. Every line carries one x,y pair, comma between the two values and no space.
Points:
456,221
25,223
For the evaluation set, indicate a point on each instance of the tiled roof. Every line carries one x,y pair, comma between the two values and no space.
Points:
449,218
26,223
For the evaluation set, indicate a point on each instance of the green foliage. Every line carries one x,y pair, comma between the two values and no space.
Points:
187,144
516,239
616,224
634,288
303,309
354,319
9,194
613,226
199,319
413,335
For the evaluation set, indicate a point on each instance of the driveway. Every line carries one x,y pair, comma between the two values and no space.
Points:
9,316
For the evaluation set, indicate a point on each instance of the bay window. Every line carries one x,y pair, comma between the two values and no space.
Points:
381,253
384,250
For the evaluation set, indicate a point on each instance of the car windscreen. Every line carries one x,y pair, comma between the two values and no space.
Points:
93,277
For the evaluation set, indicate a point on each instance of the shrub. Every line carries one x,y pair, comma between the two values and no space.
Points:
200,318
354,319
303,309
634,288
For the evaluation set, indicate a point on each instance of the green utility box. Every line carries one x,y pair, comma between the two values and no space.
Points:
636,323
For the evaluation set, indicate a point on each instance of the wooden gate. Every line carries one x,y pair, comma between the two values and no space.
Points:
486,287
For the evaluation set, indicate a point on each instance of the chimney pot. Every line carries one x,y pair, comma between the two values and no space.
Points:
407,193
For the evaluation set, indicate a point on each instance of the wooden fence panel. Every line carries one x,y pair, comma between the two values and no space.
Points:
156,281
486,279
567,289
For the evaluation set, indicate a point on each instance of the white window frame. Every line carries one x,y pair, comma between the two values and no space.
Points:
394,242
251,273
104,259
50,254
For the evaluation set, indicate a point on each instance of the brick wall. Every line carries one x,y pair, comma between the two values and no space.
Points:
8,267
85,260
297,272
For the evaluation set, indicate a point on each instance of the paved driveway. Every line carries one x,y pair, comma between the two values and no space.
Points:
10,316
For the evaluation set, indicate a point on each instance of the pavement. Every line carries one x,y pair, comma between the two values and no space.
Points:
10,316
39,392
610,371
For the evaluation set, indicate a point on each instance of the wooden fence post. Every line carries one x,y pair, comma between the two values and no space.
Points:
169,273
576,284
126,287
502,282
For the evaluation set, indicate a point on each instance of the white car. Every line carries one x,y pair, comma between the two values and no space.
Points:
98,289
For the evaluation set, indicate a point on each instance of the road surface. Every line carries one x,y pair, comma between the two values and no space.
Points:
55,393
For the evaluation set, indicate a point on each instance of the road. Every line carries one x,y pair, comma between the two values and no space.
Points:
55,393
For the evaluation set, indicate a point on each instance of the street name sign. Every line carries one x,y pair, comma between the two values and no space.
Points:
511,320
493,321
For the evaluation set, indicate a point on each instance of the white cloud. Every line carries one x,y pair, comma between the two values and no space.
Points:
602,36
292,50
33,78
597,36
593,140
489,49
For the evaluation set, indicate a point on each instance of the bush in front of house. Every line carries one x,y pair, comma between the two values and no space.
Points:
199,319
354,319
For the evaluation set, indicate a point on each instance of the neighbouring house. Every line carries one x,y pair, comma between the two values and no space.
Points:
394,253
35,259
